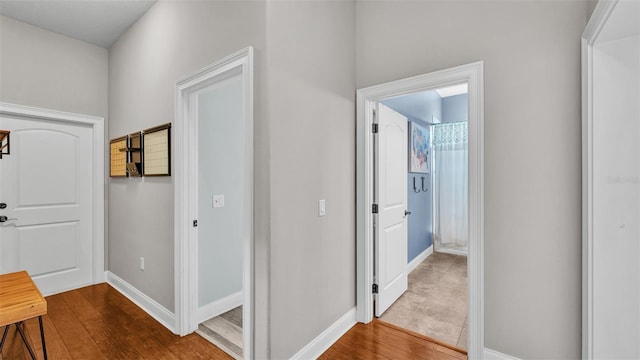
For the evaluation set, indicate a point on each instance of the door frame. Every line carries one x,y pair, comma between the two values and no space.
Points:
366,98
97,126
186,202
589,41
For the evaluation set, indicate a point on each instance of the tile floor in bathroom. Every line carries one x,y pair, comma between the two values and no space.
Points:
435,303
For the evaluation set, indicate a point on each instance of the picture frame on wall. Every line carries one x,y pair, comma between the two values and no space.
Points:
419,151
157,151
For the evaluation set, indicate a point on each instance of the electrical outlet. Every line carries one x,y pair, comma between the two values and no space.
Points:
218,201
141,264
322,208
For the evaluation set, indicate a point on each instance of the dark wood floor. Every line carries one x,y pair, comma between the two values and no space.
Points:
97,322
380,340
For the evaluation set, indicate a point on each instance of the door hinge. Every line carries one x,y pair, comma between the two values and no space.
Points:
374,128
374,288
195,223
374,208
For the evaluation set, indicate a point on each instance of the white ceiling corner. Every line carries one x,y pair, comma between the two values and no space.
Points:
99,22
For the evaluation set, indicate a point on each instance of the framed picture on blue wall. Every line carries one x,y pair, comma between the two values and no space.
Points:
419,152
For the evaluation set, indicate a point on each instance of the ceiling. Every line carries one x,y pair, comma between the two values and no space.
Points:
99,22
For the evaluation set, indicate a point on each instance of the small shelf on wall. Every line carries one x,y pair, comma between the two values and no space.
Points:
134,151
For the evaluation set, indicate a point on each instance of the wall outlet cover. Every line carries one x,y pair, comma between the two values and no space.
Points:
218,201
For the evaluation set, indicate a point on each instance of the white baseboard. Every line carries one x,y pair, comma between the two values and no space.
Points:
150,306
419,259
322,342
221,306
495,355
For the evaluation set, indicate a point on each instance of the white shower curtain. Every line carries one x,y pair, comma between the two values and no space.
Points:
451,215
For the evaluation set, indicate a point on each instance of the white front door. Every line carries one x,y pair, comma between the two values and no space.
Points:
391,193
47,185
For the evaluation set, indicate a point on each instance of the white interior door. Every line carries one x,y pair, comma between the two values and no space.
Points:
47,185
391,193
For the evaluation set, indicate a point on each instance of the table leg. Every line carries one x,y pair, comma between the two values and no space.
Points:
24,339
4,337
44,345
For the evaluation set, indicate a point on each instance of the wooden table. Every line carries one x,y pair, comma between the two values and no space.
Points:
21,300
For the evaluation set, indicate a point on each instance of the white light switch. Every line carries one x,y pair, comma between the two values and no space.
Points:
322,209
218,201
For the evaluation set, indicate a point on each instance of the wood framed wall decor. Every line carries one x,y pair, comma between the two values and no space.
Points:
157,152
118,163
5,145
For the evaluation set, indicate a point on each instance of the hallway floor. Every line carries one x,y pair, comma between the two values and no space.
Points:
435,303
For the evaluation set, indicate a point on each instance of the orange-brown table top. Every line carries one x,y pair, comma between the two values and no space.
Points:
20,298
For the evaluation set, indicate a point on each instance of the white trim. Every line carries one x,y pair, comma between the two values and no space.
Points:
596,23
366,99
328,337
97,125
419,259
220,306
496,355
150,306
186,162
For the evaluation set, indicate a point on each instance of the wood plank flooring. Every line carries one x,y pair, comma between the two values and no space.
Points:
99,323
225,332
380,340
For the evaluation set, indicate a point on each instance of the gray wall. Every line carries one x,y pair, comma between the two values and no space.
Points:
43,69
311,91
531,54
302,260
173,40
220,155
47,70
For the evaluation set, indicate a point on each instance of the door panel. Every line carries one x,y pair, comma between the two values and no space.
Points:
47,184
391,230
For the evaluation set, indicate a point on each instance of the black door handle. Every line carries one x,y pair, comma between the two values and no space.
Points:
407,212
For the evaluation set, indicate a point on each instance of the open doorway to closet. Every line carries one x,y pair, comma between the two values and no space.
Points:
435,303
214,204
384,257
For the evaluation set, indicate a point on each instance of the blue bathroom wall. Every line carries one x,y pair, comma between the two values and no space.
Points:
455,108
419,108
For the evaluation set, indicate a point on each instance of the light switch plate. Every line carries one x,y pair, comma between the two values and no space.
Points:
218,201
322,208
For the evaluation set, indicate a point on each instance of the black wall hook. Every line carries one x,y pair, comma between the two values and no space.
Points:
423,189
415,188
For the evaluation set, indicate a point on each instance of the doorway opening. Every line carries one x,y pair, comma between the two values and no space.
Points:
214,204
373,235
434,303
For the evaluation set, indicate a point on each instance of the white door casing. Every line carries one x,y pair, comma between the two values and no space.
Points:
390,230
49,185
186,153
610,185
472,74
